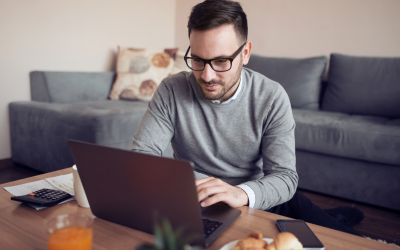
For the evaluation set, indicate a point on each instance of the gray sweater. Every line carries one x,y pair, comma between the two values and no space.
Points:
249,140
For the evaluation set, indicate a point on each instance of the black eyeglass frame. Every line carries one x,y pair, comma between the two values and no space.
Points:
208,61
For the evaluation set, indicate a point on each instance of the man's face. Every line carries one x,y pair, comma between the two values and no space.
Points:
211,44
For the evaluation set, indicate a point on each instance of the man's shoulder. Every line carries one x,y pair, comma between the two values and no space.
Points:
260,84
176,84
181,78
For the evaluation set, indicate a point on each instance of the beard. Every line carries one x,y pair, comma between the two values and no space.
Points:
224,86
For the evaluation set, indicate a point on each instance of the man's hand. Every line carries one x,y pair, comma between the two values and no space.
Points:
218,190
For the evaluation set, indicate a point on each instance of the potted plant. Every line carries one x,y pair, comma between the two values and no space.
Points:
166,238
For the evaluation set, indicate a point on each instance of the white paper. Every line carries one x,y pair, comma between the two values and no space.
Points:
30,187
61,182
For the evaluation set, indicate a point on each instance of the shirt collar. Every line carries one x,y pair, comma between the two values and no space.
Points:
236,93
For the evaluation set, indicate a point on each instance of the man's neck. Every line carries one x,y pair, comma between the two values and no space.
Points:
232,91
238,86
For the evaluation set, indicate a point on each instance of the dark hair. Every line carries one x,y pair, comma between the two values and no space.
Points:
214,13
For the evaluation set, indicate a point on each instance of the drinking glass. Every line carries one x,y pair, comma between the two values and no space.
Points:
70,231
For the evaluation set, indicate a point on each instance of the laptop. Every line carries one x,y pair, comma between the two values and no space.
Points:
128,188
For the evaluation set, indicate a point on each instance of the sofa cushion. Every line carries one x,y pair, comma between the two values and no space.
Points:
301,78
140,71
363,85
370,138
68,87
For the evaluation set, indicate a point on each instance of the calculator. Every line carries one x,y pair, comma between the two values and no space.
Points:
43,197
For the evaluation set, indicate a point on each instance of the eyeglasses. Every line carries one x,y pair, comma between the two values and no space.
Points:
221,64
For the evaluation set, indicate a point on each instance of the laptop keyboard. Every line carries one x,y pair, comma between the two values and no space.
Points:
210,226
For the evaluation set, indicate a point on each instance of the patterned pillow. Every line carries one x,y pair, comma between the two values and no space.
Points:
140,71
180,64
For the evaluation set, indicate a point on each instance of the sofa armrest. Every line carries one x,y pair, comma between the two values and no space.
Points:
40,131
69,87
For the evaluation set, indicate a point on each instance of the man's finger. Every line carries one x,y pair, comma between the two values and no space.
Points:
201,181
209,183
214,199
210,191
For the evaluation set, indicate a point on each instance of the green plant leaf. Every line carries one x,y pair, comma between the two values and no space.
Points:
180,241
158,236
169,235
166,238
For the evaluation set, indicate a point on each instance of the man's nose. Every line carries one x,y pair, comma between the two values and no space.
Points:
208,73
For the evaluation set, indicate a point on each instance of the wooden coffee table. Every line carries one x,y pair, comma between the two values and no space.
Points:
22,227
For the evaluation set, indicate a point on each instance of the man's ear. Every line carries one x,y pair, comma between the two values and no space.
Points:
246,52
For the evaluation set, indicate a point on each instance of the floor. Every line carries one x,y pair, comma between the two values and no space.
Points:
10,171
379,223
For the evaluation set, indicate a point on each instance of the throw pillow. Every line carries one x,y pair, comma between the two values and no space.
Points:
180,64
363,85
301,78
140,71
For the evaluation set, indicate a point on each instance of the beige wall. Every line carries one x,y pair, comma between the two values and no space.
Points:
293,28
72,35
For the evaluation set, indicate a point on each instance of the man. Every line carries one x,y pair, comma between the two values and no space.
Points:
234,124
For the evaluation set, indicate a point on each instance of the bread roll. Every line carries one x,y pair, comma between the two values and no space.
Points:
253,242
285,241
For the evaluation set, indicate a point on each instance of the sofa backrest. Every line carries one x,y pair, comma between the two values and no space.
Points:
301,78
69,87
363,85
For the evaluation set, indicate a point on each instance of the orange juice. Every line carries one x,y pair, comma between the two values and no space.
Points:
77,238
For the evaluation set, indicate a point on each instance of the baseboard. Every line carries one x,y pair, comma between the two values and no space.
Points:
5,163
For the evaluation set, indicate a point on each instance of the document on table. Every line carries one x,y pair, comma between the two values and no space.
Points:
61,182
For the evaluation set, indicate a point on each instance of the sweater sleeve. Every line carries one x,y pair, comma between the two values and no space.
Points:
278,153
156,127
198,175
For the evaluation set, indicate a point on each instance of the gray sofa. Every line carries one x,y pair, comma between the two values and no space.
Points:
347,129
